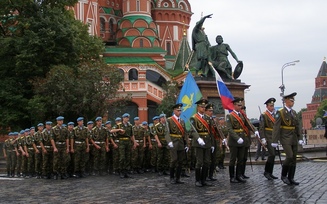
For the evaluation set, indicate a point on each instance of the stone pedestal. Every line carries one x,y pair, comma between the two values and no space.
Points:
209,91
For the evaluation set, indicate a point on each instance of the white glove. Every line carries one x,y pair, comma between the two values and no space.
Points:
263,140
212,149
201,142
224,141
186,149
170,144
301,142
257,133
240,141
274,145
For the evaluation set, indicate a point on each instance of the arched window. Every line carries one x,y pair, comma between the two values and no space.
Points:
111,26
141,42
155,78
133,74
102,24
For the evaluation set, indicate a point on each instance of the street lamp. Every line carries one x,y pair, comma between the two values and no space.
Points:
282,87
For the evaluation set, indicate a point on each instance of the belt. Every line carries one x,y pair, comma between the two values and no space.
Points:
238,130
270,129
138,140
190,139
99,142
38,146
176,135
47,146
287,127
116,140
79,142
153,140
60,142
124,138
30,148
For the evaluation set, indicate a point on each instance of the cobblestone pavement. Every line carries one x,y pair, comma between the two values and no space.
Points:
150,188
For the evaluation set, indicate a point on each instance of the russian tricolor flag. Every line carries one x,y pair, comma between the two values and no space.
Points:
225,95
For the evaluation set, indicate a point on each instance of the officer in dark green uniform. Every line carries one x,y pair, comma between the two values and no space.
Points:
203,142
177,142
60,145
239,128
47,151
267,120
287,131
38,150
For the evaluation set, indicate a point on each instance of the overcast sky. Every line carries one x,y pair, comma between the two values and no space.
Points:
265,35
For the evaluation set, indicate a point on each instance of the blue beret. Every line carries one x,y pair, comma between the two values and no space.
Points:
60,118
214,116
118,119
71,123
221,118
15,133
22,131
125,115
144,123
48,123
155,118
27,130
108,122
98,118
32,128
64,125
162,115
137,118
10,134
79,119
40,124
90,122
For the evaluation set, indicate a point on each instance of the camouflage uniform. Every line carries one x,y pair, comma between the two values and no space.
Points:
9,151
61,158
20,157
154,150
80,142
47,153
163,155
89,158
38,155
28,145
99,137
138,152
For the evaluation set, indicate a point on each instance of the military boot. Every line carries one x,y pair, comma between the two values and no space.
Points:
178,175
204,174
239,170
285,170
243,172
232,175
172,176
211,171
198,177
291,174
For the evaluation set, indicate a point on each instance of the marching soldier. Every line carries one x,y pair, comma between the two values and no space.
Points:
267,120
203,143
221,155
162,151
287,131
38,150
239,128
177,142
138,152
29,149
47,151
60,145
126,139
100,147
247,144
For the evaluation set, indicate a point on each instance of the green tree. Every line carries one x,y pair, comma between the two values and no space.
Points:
36,37
320,113
171,94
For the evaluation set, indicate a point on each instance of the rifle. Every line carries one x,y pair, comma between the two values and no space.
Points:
222,136
280,159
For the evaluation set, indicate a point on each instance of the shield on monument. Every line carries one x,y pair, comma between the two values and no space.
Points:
238,70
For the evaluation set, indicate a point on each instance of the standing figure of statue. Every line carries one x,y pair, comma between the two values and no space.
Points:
201,46
219,55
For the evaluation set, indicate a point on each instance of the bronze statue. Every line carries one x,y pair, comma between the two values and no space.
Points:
221,63
201,46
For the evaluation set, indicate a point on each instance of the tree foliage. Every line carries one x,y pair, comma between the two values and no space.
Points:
49,64
172,92
320,113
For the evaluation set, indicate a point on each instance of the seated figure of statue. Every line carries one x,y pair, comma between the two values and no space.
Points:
220,60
